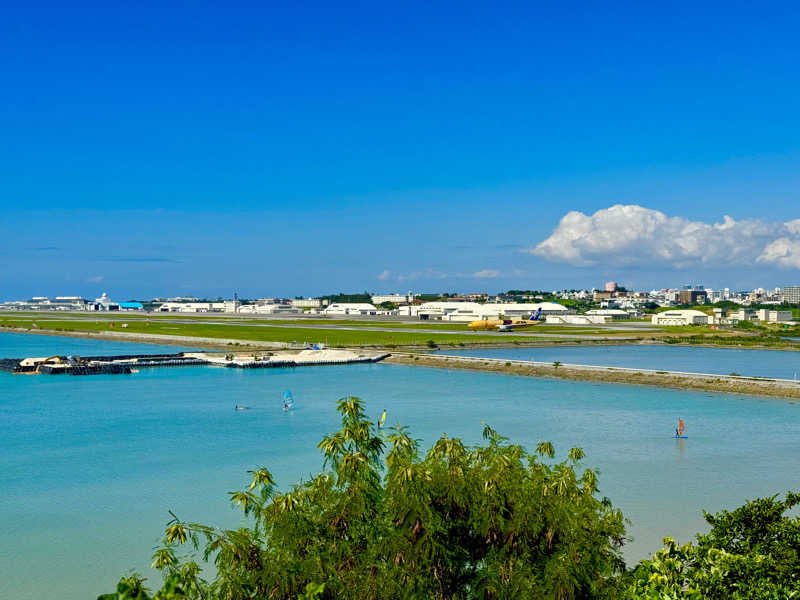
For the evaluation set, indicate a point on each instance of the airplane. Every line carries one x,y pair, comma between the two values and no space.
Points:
507,324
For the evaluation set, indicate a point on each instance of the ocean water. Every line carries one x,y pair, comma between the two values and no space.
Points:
91,465
783,364
21,345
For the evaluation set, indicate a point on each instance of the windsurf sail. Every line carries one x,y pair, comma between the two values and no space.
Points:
382,419
288,400
681,426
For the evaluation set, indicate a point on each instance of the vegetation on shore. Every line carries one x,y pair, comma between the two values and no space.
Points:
323,322
459,522
764,339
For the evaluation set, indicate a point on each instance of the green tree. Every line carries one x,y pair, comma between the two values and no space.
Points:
752,552
384,520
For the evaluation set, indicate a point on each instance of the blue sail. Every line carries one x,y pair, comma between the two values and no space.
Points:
288,399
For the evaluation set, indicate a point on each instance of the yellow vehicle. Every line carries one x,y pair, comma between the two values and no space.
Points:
506,324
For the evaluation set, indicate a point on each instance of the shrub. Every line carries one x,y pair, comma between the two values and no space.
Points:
387,521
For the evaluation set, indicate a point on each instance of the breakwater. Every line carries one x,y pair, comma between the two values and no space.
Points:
130,363
765,386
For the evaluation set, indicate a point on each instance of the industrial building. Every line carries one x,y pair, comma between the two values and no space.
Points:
229,306
60,303
128,306
350,308
393,298
304,303
681,317
774,316
474,311
614,314
269,308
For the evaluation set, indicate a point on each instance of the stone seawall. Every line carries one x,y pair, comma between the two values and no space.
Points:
763,386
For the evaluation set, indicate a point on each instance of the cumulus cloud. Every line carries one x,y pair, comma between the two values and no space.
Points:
486,274
634,235
384,275
783,252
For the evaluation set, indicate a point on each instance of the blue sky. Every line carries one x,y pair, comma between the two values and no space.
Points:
307,148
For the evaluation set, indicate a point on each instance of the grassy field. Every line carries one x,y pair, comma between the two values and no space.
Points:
116,316
244,332
354,333
336,332
321,322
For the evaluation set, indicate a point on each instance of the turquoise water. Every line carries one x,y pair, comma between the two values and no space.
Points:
21,345
759,363
92,464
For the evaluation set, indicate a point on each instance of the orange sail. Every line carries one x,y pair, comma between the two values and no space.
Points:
681,427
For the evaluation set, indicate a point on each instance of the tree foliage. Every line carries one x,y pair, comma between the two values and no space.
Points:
752,552
384,520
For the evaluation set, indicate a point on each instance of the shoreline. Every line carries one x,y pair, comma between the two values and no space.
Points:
421,357
710,382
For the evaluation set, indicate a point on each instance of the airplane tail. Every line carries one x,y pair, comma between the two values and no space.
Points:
537,315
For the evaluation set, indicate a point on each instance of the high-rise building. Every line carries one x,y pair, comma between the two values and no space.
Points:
791,294
692,297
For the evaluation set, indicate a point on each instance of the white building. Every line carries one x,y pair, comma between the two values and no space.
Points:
228,306
578,319
306,303
350,308
774,316
743,314
681,317
102,303
269,309
187,307
791,294
474,311
393,298
61,303
614,314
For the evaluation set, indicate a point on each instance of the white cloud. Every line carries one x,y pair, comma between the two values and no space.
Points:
783,252
634,235
486,274
384,275
95,279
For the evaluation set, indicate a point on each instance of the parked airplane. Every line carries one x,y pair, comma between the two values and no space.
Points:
507,324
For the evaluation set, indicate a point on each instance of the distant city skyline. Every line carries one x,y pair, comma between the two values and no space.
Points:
282,150
105,296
